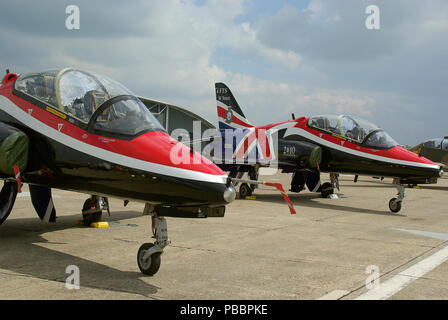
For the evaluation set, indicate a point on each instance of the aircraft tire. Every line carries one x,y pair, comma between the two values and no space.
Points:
394,205
245,191
8,196
326,190
151,267
90,217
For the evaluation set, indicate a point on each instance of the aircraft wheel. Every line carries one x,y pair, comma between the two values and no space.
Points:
151,265
90,218
326,190
245,191
88,215
394,205
8,196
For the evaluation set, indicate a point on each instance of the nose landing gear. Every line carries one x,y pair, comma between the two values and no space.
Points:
148,257
395,203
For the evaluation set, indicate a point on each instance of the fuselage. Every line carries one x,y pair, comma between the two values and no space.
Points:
65,155
341,154
434,149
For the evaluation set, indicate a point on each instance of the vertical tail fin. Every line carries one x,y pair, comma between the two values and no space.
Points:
230,115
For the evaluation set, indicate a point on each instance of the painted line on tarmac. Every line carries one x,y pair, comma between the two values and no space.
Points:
400,281
429,234
334,295
23,194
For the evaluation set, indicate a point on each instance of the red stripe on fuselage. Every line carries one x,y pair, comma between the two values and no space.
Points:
152,147
396,153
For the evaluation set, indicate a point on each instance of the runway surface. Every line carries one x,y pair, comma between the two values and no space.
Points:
346,248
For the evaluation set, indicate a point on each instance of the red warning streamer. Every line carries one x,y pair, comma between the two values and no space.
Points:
279,187
17,176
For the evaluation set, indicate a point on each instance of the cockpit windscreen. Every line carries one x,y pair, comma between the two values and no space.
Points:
80,93
353,128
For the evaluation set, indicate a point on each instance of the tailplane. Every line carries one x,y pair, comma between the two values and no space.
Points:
230,115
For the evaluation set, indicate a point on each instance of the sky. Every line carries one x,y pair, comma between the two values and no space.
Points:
278,57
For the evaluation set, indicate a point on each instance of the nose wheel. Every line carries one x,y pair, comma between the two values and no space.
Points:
395,203
148,265
148,256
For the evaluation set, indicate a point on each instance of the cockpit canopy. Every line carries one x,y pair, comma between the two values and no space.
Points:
355,129
97,102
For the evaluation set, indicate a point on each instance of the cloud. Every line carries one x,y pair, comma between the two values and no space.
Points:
316,60
335,30
401,66
99,20
264,99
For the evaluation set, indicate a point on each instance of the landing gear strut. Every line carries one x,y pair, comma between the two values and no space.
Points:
395,203
334,178
148,257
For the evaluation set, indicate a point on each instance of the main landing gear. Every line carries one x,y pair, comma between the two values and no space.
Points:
245,191
327,188
92,211
148,257
395,203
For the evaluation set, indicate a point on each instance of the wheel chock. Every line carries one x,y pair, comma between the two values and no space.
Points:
101,224
251,197
237,196
93,224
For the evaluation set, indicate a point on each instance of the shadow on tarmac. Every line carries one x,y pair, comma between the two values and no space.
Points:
437,188
368,186
21,253
309,200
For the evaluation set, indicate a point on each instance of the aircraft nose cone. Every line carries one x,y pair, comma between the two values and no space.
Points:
229,194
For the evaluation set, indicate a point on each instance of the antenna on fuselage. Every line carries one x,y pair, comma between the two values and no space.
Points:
293,116
7,71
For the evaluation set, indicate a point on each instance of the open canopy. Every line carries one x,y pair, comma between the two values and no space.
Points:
355,129
97,101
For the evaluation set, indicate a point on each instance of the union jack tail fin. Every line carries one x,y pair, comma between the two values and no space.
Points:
230,115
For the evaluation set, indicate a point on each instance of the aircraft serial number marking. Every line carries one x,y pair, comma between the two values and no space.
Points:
289,150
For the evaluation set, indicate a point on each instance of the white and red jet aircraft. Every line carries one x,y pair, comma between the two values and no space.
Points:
309,145
75,130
